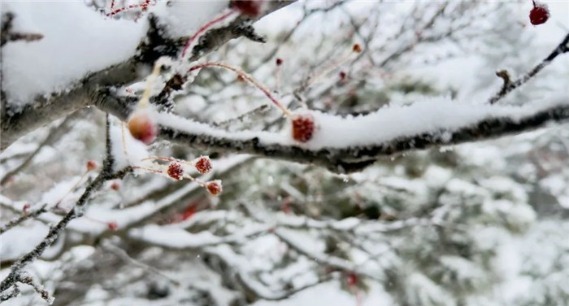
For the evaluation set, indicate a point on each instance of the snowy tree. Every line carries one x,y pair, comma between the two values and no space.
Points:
264,152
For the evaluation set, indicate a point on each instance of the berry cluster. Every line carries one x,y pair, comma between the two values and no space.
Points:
175,170
302,127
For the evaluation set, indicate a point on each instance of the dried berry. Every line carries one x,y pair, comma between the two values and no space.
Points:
91,165
175,171
302,127
203,164
142,127
251,8
279,61
342,75
357,48
539,14
214,187
112,226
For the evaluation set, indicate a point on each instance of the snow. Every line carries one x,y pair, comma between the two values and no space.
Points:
20,240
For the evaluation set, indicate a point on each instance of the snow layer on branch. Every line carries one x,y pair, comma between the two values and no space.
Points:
78,40
435,116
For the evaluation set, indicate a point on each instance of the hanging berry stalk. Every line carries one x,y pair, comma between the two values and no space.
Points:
247,78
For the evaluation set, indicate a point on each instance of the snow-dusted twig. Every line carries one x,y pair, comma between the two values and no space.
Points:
93,89
509,86
124,256
24,217
27,279
324,259
53,135
10,295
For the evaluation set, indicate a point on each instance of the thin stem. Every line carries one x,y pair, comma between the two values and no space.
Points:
201,30
248,78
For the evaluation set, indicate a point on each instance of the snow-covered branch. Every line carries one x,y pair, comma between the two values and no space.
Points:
353,143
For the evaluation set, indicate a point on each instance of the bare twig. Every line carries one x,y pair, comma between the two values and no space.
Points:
563,47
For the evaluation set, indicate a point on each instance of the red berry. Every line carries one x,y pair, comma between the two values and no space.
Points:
351,279
91,165
539,13
142,127
302,127
203,164
112,226
279,61
214,187
251,8
175,171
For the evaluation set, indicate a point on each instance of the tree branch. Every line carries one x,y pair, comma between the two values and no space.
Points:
350,158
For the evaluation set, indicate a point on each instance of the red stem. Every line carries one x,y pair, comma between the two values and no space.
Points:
203,29
248,78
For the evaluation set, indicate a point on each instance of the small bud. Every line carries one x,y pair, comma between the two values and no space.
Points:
214,187
142,127
240,78
357,48
342,75
302,127
203,164
251,8
91,165
115,186
539,14
175,171
26,208
112,226
279,61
